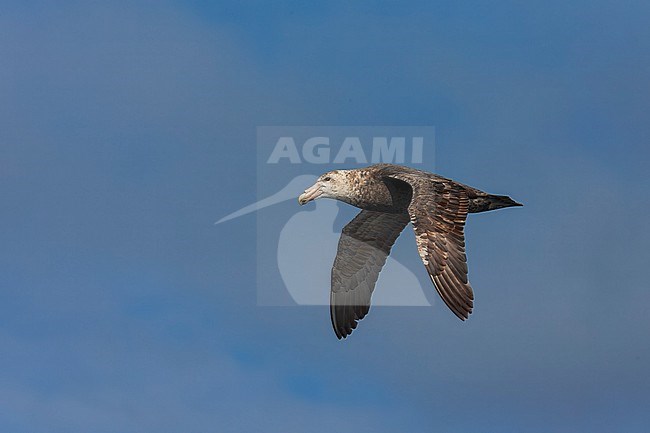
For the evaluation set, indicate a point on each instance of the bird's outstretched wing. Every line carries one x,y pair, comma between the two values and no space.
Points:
362,251
438,211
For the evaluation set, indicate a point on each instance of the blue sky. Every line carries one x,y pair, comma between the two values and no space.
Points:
129,128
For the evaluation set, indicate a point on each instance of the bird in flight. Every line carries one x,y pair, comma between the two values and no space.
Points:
390,196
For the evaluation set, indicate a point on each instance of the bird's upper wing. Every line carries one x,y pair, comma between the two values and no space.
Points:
438,211
362,251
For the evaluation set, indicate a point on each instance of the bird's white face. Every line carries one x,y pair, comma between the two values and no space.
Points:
332,184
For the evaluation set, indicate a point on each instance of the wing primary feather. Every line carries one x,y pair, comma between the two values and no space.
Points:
438,210
364,245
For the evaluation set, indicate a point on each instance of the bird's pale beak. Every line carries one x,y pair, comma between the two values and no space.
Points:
311,193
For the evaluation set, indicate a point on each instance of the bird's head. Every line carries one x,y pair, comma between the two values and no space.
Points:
333,184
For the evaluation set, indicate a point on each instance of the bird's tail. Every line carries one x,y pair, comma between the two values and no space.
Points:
491,202
499,201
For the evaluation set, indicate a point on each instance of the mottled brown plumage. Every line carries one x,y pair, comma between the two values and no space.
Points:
390,196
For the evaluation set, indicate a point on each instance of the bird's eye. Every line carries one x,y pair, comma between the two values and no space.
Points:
327,178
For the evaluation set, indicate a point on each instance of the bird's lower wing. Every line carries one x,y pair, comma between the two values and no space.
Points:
438,211
362,251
